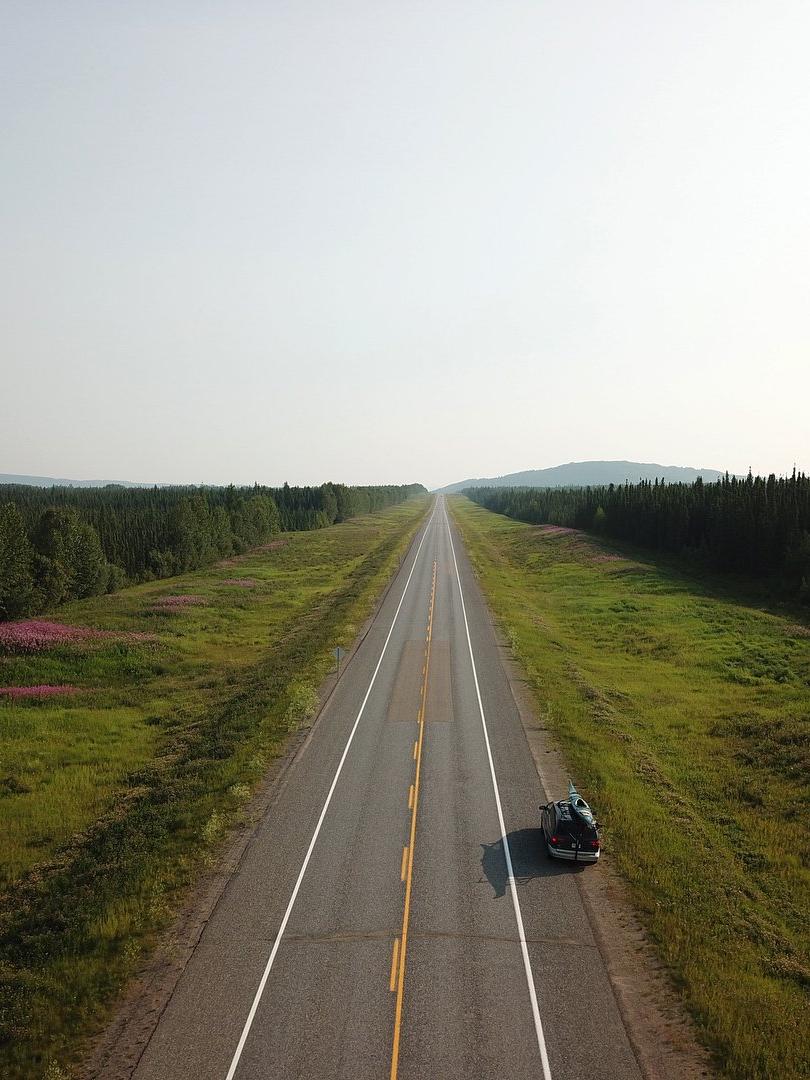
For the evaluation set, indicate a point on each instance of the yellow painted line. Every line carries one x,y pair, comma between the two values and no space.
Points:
408,874
410,798
415,745
403,864
392,982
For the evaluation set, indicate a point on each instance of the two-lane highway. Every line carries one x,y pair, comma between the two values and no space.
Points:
394,914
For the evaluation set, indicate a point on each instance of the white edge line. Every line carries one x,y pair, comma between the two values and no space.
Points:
258,996
538,1024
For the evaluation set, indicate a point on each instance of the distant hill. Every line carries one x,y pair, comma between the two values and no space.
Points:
585,473
50,481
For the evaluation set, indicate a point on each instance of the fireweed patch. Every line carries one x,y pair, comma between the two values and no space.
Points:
36,635
177,603
558,530
35,691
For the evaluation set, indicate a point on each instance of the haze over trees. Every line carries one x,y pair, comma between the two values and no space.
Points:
65,543
756,525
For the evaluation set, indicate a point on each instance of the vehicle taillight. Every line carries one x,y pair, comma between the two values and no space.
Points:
554,840
595,845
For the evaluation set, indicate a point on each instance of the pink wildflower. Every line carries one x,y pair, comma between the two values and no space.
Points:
36,691
34,635
31,635
556,530
178,601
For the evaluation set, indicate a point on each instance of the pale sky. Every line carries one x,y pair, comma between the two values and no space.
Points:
399,241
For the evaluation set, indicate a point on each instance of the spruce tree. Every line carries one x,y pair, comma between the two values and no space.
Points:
16,559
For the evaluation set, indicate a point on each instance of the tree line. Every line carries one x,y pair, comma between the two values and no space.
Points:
754,525
63,543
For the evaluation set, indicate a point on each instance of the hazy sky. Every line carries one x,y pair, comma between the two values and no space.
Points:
393,240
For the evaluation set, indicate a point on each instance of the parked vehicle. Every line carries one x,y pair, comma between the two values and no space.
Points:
570,830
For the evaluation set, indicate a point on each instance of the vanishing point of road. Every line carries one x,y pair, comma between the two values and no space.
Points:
395,915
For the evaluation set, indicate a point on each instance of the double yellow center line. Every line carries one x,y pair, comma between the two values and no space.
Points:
401,944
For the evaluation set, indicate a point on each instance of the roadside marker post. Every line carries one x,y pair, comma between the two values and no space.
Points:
339,654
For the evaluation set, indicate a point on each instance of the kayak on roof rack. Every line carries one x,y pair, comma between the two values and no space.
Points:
570,829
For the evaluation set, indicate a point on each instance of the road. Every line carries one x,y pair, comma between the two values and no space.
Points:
394,914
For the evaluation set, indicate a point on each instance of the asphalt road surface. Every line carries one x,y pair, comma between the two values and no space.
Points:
395,914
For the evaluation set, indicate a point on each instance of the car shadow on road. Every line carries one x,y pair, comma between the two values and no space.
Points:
530,859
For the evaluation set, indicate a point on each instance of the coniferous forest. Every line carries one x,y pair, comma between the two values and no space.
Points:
755,525
64,543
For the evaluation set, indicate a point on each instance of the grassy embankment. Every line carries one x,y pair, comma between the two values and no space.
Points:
114,796
684,712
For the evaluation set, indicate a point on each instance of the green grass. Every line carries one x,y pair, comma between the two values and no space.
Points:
684,712
60,767
112,800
